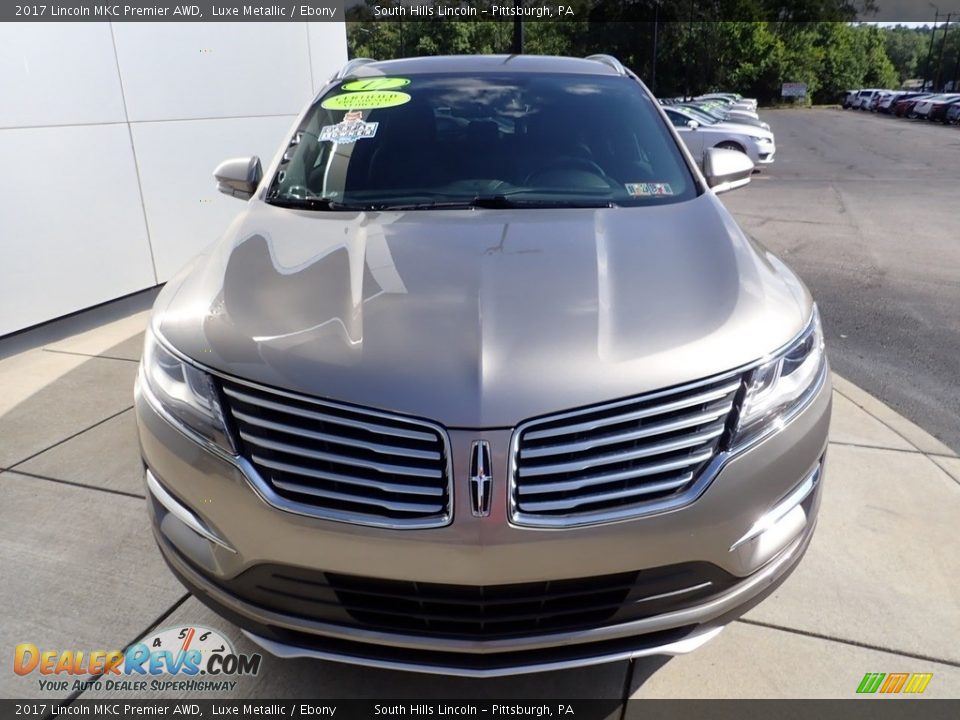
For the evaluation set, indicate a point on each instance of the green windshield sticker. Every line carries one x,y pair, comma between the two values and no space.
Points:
380,83
365,100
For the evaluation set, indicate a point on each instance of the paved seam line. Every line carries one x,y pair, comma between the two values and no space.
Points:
884,423
70,437
96,123
89,355
77,693
892,449
627,684
124,493
854,643
133,153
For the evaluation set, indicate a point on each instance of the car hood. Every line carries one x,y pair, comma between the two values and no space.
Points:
734,112
730,126
482,318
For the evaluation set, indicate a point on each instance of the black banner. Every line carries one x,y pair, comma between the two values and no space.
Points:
854,709
460,10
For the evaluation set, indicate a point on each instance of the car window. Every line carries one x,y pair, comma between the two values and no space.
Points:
678,120
435,140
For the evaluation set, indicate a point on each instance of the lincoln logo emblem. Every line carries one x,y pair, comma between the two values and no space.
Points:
480,480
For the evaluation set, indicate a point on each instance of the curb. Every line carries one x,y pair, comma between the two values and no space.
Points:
908,430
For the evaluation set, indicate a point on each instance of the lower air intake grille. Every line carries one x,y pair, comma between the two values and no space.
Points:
479,612
617,460
342,462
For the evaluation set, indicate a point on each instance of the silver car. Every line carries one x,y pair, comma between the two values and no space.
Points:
483,379
758,144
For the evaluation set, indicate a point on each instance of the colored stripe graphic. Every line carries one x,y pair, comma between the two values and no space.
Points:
918,682
870,682
894,683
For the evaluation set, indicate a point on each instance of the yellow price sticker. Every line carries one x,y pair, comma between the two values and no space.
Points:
369,100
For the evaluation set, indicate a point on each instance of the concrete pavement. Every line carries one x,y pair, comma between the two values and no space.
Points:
877,591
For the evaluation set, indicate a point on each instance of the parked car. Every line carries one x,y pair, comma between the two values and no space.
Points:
953,114
904,107
862,101
938,111
728,110
925,107
878,98
848,99
720,115
501,395
736,100
758,144
729,101
886,105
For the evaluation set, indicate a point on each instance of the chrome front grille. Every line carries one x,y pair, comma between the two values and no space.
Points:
618,460
342,462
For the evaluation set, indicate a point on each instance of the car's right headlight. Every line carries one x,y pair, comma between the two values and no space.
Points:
183,393
782,384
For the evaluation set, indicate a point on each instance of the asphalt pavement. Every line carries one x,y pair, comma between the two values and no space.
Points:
866,208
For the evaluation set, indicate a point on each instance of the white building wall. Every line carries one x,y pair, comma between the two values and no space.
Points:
109,133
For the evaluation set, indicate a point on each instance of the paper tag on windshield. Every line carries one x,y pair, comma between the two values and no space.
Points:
648,189
348,130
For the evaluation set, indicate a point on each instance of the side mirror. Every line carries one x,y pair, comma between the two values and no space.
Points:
726,169
693,124
239,177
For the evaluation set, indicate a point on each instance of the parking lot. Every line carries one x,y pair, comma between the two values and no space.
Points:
864,207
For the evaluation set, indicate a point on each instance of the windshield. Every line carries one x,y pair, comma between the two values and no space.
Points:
510,140
702,115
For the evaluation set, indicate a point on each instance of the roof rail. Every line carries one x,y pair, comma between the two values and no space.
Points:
352,65
609,60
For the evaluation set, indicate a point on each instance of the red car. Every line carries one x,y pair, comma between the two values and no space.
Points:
904,108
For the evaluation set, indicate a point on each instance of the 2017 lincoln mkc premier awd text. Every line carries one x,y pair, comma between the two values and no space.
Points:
483,379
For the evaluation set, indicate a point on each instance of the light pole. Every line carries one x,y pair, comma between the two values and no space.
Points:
926,65
956,71
656,26
943,45
517,29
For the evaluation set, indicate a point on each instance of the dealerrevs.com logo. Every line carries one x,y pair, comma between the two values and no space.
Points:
183,658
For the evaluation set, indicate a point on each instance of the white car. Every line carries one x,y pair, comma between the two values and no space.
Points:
737,101
863,98
729,109
887,101
922,109
757,143
717,114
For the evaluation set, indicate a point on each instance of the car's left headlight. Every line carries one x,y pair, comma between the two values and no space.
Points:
781,385
185,394
762,139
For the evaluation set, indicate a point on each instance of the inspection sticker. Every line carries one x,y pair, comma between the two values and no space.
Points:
348,130
369,100
648,189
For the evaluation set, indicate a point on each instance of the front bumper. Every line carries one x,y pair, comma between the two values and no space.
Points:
765,153
211,527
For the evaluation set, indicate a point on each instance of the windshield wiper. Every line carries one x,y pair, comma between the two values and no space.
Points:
313,203
499,202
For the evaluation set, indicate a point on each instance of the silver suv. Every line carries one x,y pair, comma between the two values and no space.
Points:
483,379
